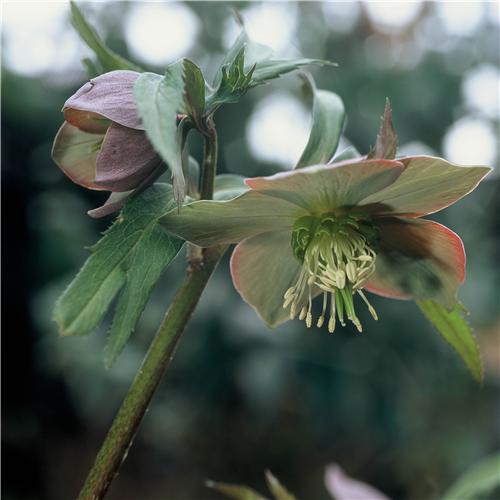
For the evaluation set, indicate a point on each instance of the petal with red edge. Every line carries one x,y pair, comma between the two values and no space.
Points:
110,96
210,222
263,268
324,188
418,259
75,153
427,185
125,159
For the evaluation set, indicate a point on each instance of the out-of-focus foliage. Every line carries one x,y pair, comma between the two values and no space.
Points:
393,406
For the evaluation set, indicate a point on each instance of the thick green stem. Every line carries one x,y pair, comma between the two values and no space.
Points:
160,353
121,434
209,162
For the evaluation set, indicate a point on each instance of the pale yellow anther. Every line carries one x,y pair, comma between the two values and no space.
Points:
303,313
288,301
331,324
351,271
320,322
309,320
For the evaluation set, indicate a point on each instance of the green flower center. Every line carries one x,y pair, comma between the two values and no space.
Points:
338,257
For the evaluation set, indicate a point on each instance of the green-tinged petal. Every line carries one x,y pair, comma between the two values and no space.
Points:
229,186
207,223
263,269
323,188
427,185
75,153
418,259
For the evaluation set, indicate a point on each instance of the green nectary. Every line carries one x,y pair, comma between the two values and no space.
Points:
338,254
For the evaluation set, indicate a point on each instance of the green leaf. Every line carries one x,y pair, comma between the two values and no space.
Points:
246,65
235,491
159,100
108,59
194,92
386,145
455,329
478,481
254,52
270,69
233,84
327,124
131,255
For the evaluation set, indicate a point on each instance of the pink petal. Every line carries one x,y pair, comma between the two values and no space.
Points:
324,188
125,159
109,96
418,259
116,201
343,487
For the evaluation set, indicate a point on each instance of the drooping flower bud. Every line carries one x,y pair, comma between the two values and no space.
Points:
102,144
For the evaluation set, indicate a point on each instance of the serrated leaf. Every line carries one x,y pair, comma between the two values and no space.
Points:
235,491
131,255
277,489
457,332
159,99
478,481
386,145
246,65
233,84
108,59
194,92
327,124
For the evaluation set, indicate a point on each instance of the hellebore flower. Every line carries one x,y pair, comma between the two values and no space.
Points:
336,231
102,144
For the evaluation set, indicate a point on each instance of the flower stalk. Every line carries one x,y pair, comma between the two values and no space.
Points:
161,351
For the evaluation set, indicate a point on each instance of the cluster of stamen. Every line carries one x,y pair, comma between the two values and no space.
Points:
337,258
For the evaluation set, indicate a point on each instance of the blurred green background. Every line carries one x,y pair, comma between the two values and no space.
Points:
394,406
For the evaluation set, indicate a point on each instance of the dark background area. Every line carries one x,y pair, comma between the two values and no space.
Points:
394,406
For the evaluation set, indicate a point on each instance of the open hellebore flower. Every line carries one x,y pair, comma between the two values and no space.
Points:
336,231
102,144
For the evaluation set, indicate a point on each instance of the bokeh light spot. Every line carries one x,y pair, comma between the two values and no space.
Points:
158,33
38,38
271,24
278,129
470,141
481,89
392,16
